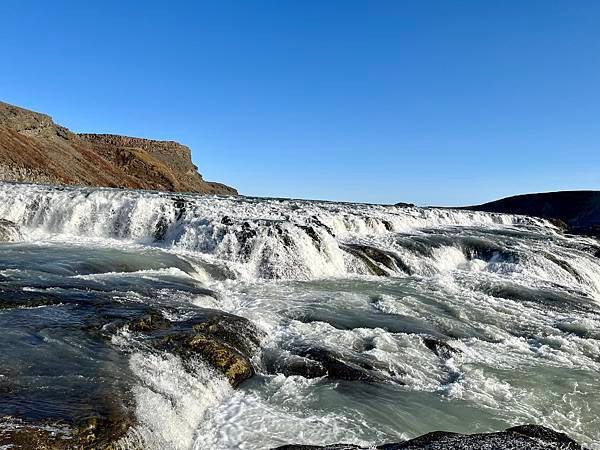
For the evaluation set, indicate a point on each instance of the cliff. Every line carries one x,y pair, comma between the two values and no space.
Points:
578,211
35,149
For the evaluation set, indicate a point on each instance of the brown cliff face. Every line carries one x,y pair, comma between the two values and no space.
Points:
35,149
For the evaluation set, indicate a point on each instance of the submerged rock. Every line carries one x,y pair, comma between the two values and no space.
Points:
12,298
524,437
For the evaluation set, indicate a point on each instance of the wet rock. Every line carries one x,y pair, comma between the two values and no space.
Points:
233,364
311,232
315,220
180,205
377,260
335,367
290,365
338,369
162,226
317,447
235,331
283,233
440,348
560,224
245,236
100,433
151,322
9,231
565,266
224,341
524,437
20,299
227,221
478,248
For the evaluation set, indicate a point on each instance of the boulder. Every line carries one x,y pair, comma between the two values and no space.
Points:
225,341
314,362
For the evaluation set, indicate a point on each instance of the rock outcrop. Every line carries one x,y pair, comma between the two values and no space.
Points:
575,211
34,149
524,437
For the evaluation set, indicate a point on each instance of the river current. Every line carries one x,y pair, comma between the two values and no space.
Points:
469,321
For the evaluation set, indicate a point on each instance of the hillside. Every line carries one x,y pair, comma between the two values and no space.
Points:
579,210
35,149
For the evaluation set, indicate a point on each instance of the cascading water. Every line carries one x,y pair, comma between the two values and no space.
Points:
442,319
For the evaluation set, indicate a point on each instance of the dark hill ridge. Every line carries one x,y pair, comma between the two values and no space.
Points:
578,210
34,149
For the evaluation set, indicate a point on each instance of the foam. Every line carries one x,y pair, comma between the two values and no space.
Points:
522,359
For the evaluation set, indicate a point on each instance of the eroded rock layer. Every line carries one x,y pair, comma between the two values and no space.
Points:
34,149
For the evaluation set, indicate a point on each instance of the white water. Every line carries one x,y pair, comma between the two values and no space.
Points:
519,300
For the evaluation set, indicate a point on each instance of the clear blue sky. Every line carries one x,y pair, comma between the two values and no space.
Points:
434,102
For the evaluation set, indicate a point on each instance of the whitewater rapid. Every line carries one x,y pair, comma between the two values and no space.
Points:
516,301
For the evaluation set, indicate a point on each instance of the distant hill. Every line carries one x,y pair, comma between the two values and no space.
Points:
578,210
35,149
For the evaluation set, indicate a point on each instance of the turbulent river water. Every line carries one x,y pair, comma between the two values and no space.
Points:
467,321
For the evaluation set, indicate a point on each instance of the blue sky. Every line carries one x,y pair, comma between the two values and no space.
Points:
432,102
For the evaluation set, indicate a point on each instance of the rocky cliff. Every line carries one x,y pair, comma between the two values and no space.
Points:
35,149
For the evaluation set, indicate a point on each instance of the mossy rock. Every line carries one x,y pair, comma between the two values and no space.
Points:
235,366
225,341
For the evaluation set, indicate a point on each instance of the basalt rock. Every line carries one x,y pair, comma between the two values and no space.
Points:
524,437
